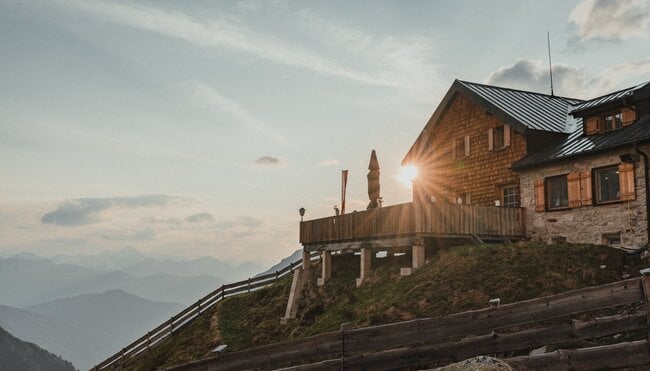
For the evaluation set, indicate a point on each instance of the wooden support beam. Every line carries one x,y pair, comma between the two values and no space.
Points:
383,243
326,267
366,262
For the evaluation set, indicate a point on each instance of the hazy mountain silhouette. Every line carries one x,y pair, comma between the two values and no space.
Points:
284,262
87,328
16,354
131,261
25,282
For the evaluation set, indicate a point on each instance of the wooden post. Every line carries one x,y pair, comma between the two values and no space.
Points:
366,262
248,286
223,293
645,281
326,264
198,307
276,277
306,261
291,267
148,340
171,326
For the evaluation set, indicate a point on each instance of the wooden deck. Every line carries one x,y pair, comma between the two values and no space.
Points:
413,219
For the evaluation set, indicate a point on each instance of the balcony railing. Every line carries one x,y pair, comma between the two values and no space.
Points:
412,219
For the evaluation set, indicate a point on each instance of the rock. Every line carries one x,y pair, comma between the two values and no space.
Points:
538,351
603,266
480,363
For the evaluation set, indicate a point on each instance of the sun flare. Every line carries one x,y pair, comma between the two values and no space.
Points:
407,174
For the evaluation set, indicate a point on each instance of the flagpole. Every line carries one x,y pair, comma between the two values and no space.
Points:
344,184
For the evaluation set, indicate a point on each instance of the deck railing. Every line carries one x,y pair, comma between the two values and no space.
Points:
415,218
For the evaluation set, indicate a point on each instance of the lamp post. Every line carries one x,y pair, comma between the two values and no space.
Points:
302,213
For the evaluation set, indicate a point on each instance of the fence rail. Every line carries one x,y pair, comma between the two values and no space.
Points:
176,322
452,337
415,218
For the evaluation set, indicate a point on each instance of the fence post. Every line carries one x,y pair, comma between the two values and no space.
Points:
223,293
148,340
645,283
171,326
291,267
276,277
198,307
248,286
344,327
122,358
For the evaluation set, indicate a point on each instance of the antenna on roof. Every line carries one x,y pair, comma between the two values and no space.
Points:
550,68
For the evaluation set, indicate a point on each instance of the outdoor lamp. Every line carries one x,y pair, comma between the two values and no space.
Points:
302,212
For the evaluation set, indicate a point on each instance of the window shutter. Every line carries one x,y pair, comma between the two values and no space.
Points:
585,188
629,115
453,149
573,185
626,181
506,135
591,125
490,139
539,195
466,145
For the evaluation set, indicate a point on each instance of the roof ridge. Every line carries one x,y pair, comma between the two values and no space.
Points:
523,91
630,88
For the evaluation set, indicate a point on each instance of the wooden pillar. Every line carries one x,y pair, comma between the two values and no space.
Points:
417,259
645,282
366,260
306,260
418,256
326,265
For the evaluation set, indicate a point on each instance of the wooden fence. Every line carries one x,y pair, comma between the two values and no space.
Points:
415,218
166,329
467,334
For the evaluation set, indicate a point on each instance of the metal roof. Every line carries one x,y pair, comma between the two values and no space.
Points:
534,110
607,98
577,144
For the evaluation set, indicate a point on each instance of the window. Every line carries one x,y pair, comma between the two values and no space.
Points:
557,193
607,184
461,147
498,137
612,121
509,195
612,239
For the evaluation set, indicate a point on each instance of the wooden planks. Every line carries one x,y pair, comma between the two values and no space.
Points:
432,330
410,218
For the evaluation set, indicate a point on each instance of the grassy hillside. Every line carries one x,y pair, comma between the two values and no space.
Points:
452,280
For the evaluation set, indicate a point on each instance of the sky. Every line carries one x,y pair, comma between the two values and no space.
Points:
200,128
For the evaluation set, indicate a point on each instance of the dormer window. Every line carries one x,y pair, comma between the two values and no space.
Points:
610,121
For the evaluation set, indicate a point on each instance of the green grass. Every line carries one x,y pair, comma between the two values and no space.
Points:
453,280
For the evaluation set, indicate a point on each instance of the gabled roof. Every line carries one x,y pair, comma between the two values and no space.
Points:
577,144
522,110
607,98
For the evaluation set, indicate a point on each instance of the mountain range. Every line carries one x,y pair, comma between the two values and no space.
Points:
16,354
86,329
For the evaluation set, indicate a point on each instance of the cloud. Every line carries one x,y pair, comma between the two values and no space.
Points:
569,81
269,161
610,20
219,33
200,218
247,222
533,75
328,162
87,210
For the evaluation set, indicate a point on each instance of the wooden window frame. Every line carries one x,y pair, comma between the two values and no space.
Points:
595,186
547,190
502,187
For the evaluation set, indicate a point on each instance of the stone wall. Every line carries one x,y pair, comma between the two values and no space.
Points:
479,174
587,224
